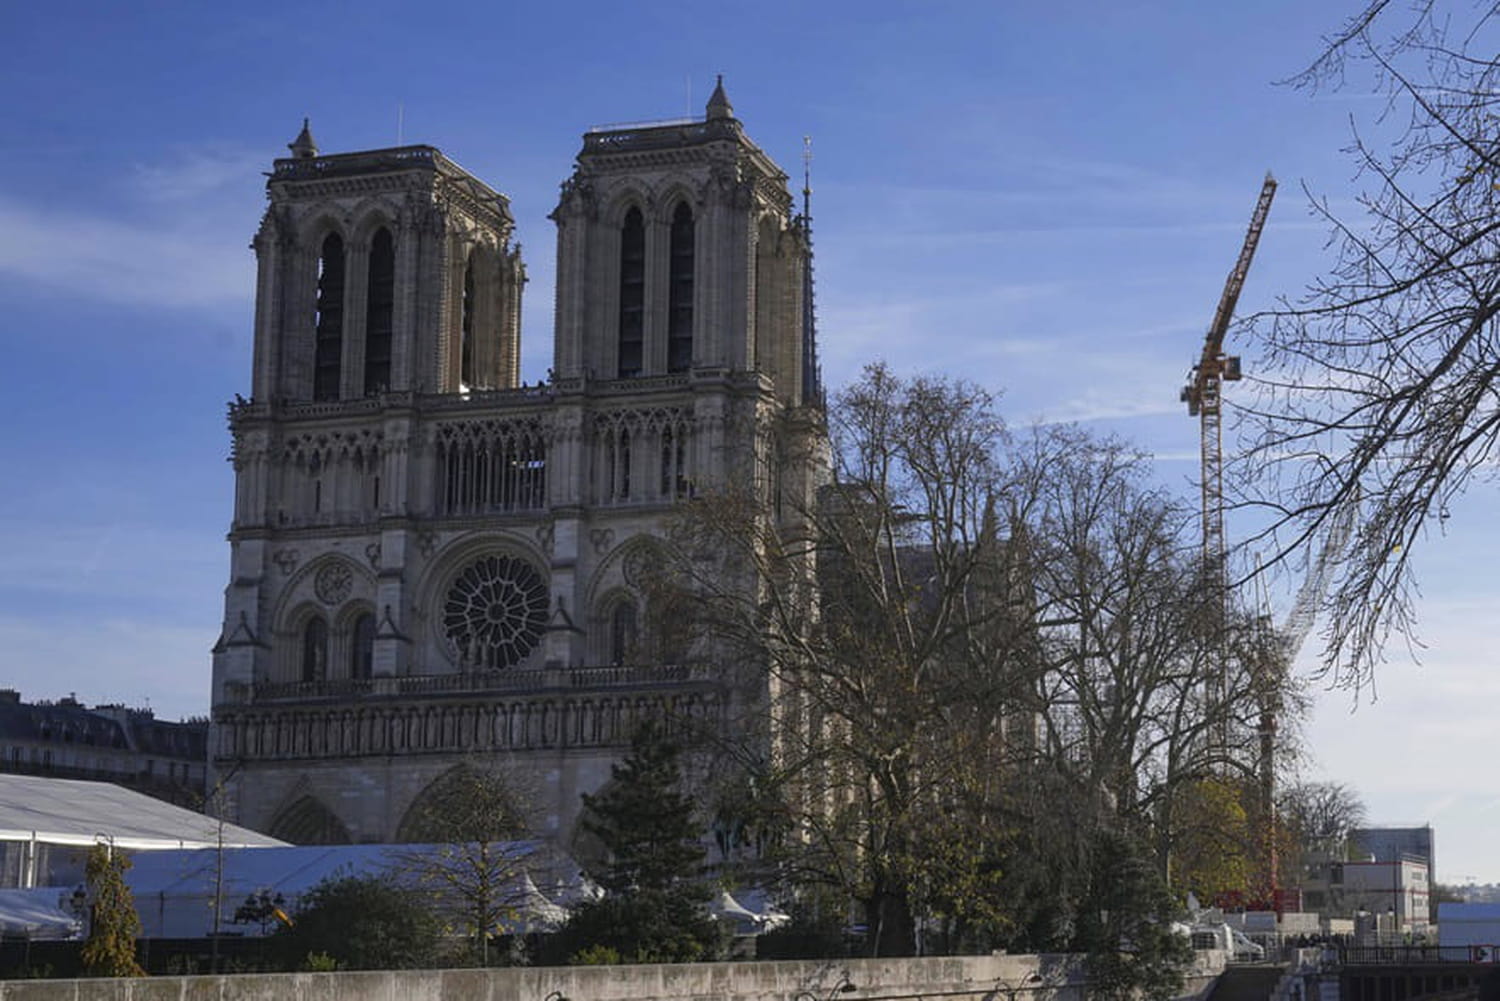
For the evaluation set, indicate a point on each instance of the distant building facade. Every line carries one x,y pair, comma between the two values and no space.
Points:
129,747
434,566
1397,893
1391,844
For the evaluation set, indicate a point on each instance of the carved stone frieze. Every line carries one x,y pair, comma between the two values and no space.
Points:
548,720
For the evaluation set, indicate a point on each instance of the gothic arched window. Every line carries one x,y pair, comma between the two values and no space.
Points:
680,292
632,295
380,306
623,632
315,650
466,330
328,338
362,647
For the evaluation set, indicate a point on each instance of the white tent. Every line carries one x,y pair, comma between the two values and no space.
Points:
46,824
37,914
727,909
758,902
175,890
534,912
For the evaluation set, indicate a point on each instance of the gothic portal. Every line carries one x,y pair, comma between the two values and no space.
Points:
431,563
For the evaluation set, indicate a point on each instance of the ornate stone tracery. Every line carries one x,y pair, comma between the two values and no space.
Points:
494,612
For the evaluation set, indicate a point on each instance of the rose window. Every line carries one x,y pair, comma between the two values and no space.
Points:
495,612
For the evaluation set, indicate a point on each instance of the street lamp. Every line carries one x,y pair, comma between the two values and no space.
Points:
844,986
1028,983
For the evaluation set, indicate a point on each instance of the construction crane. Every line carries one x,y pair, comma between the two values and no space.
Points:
1280,649
1203,396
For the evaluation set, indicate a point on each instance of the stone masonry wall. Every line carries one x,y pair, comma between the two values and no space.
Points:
983,978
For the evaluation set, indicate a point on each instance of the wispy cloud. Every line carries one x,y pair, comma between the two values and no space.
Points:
176,238
195,174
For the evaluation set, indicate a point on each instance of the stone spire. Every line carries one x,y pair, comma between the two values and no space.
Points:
303,147
718,104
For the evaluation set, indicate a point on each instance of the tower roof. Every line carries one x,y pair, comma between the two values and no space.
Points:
718,102
303,147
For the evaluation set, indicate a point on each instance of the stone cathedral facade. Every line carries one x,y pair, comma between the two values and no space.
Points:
434,565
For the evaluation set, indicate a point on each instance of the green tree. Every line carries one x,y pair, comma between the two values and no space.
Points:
1125,926
114,924
1214,842
363,923
653,909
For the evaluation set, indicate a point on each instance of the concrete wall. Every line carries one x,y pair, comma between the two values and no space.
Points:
991,978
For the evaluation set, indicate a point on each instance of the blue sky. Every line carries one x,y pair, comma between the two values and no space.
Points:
1044,197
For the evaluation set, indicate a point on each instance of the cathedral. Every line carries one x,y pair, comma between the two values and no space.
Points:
434,565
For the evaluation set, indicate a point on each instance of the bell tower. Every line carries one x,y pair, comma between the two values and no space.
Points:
678,251
386,270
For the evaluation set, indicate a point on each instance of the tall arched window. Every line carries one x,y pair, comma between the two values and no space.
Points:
362,647
315,650
680,292
632,294
622,632
328,346
466,332
380,306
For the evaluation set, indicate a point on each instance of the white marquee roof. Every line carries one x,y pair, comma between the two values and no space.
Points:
69,812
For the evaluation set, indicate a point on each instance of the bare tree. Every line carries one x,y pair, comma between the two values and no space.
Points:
1151,691
1378,386
958,633
1320,816
872,612
473,867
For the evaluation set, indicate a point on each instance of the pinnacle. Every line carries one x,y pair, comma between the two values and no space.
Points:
304,146
718,103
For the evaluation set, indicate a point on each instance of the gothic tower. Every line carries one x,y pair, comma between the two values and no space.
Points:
432,566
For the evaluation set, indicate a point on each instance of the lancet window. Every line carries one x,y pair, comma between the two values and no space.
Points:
328,338
380,305
643,455
491,466
466,346
331,475
315,649
362,647
680,291
632,333
623,632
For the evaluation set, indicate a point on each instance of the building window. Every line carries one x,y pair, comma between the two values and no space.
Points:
674,480
617,463
466,329
380,306
495,612
362,647
632,295
622,632
329,335
491,466
680,292
315,650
